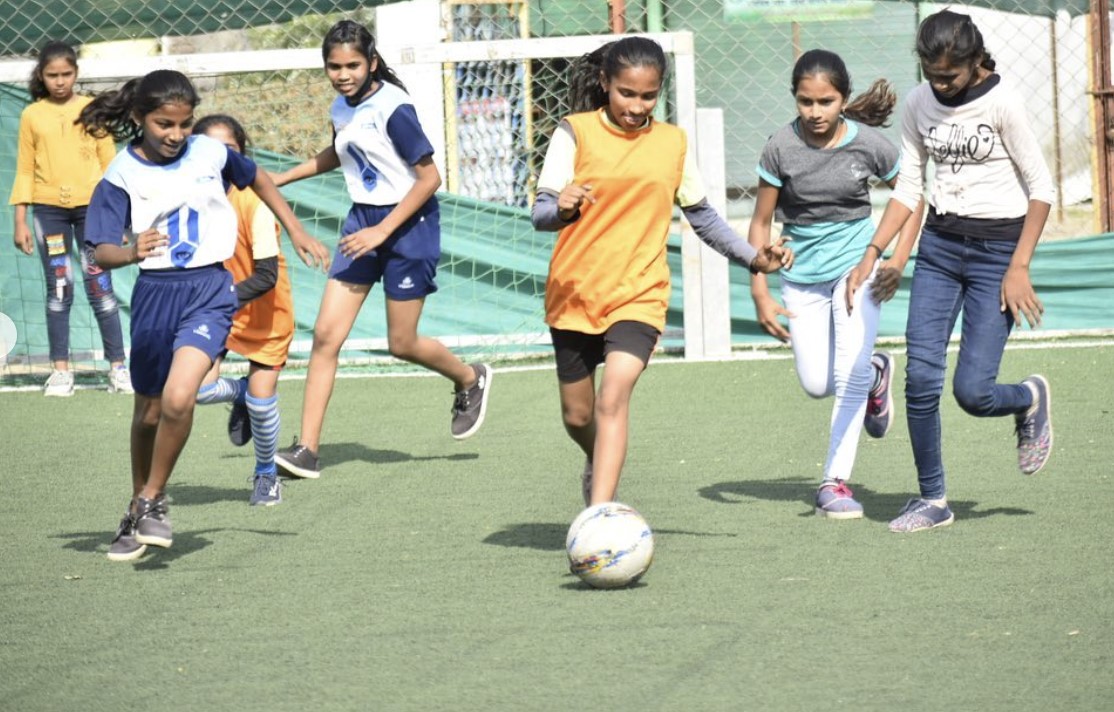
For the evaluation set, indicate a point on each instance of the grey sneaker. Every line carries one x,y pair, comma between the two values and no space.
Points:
267,492
124,547
586,482
152,525
918,515
880,401
120,380
470,405
1034,428
299,461
59,384
239,420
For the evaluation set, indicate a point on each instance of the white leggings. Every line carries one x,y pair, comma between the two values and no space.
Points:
832,351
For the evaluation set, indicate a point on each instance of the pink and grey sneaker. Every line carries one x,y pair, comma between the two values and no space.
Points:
1034,428
880,401
835,500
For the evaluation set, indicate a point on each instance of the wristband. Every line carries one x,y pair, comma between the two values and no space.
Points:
877,248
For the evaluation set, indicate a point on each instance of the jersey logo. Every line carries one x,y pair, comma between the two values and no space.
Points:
182,247
203,332
367,171
406,283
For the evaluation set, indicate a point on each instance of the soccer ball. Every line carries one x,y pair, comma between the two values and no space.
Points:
609,545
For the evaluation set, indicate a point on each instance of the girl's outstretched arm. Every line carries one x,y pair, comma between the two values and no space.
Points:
312,252
323,162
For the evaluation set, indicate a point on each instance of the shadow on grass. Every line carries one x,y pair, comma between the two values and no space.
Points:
581,587
185,543
551,537
338,453
877,506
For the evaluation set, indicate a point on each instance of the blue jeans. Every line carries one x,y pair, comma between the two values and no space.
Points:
955,273
57,232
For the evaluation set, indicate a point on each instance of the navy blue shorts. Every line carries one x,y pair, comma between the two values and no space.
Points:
176,308
578,354
406,263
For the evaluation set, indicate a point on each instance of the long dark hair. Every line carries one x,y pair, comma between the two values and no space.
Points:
234,126
952,36
355,34
51,51
585,91
873,107
110,113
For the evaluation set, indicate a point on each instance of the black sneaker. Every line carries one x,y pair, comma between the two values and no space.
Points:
124,547
298,461
239,421
152,525
470,404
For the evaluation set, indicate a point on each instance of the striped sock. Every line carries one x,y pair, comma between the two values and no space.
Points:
222,390
264,415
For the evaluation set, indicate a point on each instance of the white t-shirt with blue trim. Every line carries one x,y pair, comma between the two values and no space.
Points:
379,141
185,200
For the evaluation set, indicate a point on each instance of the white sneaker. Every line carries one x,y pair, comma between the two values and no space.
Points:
120,380
60,384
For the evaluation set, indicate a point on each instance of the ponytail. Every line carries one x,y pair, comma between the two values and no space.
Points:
114,113
874,106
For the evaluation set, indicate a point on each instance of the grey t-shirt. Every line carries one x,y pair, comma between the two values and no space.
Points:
821,185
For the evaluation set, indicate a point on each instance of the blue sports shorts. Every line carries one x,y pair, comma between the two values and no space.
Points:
175,308
406,263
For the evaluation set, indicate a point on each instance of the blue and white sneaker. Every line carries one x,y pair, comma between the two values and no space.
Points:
835,500
267,491
919,514
1034,428
880,402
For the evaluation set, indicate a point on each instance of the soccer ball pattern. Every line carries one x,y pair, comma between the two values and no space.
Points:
609,545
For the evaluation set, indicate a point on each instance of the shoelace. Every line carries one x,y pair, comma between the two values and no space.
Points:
840,489
1026,430
460,401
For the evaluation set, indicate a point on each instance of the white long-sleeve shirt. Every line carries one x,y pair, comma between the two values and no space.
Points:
988,159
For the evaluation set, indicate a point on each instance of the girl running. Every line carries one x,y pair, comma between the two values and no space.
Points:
814,176
611,177
989,200
261,330
165,191
392,234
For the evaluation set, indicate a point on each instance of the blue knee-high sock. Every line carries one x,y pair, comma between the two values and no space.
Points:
264,415
222,390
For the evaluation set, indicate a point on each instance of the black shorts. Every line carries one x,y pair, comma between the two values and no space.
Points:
578,353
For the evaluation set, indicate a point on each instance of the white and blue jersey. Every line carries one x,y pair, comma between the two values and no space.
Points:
379,141
185,200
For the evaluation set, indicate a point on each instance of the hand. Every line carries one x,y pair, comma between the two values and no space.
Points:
23,240
279,179
886,281
771,258
572,197
858,276
149,243
311,251
768,311
1018,296
362,242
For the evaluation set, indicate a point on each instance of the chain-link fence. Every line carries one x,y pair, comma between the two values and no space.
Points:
497,113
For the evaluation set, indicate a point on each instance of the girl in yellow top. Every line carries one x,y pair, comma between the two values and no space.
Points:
57,166
261,330
610,179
